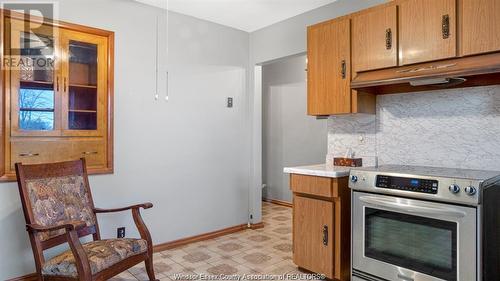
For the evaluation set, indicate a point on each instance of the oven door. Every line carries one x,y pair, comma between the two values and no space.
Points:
413,240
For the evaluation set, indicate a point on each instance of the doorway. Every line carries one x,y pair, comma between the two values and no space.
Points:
289,136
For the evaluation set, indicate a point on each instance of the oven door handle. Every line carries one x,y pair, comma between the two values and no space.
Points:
415,209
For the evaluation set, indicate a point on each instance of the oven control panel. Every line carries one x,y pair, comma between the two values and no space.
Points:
408,184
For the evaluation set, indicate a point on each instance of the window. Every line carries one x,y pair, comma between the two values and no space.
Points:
36,108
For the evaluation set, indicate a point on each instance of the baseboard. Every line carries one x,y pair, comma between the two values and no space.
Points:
174,244
257,225
205,236
278,202
29,277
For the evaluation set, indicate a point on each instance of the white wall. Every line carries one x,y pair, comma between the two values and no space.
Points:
188,156
290,136
283,39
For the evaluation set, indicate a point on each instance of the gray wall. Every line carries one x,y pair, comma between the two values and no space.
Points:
457,128
188,156
290,137
277,41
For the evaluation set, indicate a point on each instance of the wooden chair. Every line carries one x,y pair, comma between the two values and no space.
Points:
58,208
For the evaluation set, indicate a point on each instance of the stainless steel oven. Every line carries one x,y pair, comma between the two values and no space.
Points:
420,226
405,239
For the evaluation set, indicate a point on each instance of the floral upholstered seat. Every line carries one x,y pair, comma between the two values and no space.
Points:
102,254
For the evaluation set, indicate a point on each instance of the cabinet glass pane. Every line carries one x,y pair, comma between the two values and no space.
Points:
36,85
37,57
82,94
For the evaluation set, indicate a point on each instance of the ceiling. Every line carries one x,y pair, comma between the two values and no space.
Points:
246,15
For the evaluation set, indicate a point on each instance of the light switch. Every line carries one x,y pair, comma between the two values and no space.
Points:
229,102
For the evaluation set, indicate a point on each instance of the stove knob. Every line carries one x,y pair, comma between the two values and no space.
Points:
354,178
454,188
470,190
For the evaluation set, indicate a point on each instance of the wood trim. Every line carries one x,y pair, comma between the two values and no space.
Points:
278,202
2,98
111,94
255,226
204,236
97,171
58,23
28,277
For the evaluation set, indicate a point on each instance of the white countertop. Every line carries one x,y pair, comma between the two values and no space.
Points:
321,170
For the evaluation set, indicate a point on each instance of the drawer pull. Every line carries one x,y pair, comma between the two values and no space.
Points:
89,152
446,26
29,154
325,235
343,69
388,39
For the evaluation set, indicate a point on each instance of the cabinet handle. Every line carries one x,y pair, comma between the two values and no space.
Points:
89,152
57,83
446,26
65,86
29,154
325,235
388,39
344,69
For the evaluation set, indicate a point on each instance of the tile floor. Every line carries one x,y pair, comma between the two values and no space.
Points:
262,251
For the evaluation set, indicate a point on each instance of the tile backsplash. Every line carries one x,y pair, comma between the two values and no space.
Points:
457,128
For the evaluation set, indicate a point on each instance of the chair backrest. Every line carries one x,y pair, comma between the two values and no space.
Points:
54,194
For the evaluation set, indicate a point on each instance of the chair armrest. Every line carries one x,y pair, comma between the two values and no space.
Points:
72,225
143,205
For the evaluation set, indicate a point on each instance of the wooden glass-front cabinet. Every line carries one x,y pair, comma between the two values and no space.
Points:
58,93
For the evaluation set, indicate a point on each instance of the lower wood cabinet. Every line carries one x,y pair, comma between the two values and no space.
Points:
321,225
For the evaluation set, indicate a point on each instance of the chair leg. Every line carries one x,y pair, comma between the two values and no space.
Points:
150,269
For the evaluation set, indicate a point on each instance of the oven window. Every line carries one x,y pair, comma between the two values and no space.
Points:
417,243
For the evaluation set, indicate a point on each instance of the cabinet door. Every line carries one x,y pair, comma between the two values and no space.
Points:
329,73
313,235
33,79
374,39
480,26
84,98
428,30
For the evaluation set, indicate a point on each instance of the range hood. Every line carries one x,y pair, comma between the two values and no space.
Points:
464,72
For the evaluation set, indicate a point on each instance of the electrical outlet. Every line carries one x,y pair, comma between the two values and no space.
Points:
120,232
362,138
229,102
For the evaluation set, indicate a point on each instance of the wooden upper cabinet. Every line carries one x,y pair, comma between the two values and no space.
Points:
329,73
480,26
427,30
374,39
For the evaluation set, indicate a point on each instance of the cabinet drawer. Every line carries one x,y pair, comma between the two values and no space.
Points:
48,151
35,152
313,185
94,152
